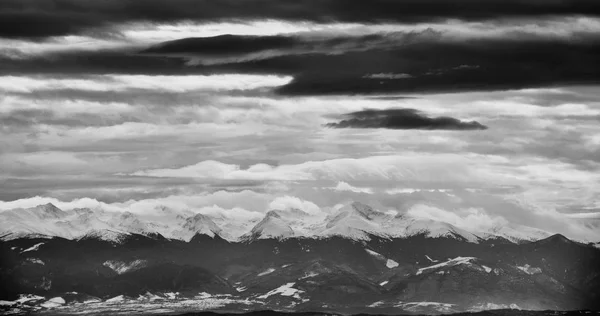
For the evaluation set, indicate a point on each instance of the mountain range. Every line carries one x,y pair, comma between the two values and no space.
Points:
355,221
356,260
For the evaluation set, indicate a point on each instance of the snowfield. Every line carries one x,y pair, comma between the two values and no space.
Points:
284,290
53,302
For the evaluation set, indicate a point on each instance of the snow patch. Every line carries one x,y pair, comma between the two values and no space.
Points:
150,297
35,261
171,295
388,262
28,297
121,267
284,290
203,295
309,275
268,271
391,263
375,254
487,269
376,304
53,302
116,299
529,269
92,300
384,283
428,258
33,248
449,263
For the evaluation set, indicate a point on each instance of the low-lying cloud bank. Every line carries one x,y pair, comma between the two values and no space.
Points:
477,212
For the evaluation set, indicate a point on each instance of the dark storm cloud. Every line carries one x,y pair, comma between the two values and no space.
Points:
246,47
223,45
402,119
375,64
43,18
122,61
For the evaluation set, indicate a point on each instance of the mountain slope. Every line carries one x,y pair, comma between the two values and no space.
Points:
378,275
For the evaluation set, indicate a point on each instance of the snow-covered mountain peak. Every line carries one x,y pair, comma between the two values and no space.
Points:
273,213
82,211
556,239
271,226
48,211
516,233
435,229
201,224
356,221
363,210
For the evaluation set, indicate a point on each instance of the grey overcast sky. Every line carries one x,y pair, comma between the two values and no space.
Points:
487,109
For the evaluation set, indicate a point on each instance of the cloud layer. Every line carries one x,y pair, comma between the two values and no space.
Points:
35,19
348,64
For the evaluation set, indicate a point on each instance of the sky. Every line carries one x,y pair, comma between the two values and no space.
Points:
486,110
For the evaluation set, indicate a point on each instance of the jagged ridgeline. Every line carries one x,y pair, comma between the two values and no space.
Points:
355,221
352,263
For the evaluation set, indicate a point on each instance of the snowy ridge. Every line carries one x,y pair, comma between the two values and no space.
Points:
271,226
108,235
449,263
355,221
33,248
